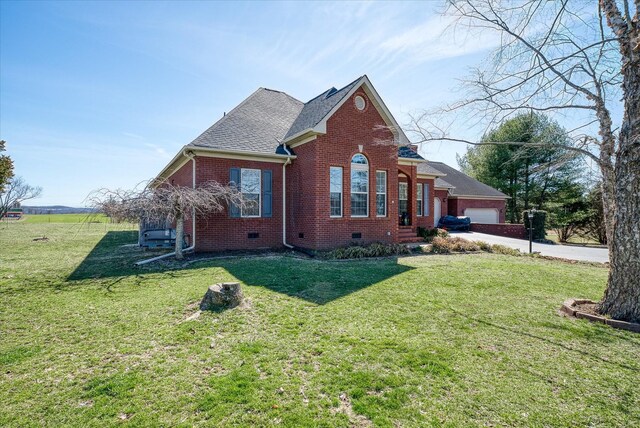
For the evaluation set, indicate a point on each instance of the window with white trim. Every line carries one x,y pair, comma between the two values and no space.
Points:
427,200
403,193
251,189
419,200
359,186
335,191
381,193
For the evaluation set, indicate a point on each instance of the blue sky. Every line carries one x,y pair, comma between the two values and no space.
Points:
103,94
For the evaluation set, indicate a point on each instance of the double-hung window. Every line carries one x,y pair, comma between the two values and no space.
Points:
250,187
359,186
403,196
381,193
427,199
419,200
335,191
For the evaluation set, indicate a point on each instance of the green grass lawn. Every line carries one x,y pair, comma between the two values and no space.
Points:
466,340
574,240
65,218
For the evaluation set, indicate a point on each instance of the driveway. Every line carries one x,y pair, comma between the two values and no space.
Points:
571,252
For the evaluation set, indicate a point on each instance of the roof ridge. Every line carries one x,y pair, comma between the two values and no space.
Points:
336,90
319,95
281,92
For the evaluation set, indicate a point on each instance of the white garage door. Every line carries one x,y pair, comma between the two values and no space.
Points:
482,215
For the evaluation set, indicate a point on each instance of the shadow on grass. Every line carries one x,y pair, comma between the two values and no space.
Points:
558,344
315,281
113,256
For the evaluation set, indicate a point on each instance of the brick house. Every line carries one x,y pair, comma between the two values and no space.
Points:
332,171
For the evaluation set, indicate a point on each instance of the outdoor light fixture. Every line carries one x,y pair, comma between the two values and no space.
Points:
530,214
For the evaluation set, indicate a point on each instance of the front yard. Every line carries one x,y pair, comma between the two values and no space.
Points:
88,340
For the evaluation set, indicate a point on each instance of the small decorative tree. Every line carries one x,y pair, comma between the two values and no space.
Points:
167,202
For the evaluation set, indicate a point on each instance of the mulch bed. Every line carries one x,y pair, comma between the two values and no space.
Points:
588,309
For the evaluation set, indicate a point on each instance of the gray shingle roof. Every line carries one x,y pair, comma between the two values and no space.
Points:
428,168
408,153
316,109
463,184
257,124
439,182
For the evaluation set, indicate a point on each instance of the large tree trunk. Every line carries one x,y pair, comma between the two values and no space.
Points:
179,236
622,297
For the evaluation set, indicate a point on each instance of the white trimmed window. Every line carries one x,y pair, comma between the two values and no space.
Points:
335,191
359,186
251,189
427,199
381,193
419,200
403,196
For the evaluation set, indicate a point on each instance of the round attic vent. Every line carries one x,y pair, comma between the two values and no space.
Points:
360,102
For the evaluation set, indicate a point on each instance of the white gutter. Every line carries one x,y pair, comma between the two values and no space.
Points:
193,211
284,198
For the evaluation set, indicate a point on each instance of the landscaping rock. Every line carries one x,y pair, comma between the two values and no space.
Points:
222,296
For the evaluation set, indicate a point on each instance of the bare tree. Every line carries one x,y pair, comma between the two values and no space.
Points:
565,57
16,191
167,202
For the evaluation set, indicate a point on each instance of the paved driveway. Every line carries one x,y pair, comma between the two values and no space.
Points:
570,252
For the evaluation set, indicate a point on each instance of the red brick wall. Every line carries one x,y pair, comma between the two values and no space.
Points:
443,195
503,229
426,221
456,206
310,215
184,177
218,232
309,224
302,206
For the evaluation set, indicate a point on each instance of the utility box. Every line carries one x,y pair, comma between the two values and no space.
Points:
158,235
158,238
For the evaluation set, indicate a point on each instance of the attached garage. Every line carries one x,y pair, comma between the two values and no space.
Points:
461,195
482,215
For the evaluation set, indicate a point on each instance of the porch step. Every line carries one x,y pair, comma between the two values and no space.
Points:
410,240
407,232
407,235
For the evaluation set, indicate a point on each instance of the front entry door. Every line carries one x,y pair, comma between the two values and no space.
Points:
437,211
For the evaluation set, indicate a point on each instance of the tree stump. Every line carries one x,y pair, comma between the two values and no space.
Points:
222,296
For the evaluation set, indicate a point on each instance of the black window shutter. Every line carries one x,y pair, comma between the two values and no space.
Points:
267,201
234,179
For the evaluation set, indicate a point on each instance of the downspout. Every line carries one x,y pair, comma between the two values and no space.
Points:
284,198
191,156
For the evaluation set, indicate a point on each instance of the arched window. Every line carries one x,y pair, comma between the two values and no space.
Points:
359,186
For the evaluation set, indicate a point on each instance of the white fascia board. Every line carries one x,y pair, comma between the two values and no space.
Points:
182,157
480,197
431,175
406,161
240,154
171,164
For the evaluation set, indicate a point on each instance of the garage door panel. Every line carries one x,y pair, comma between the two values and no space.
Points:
482,215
